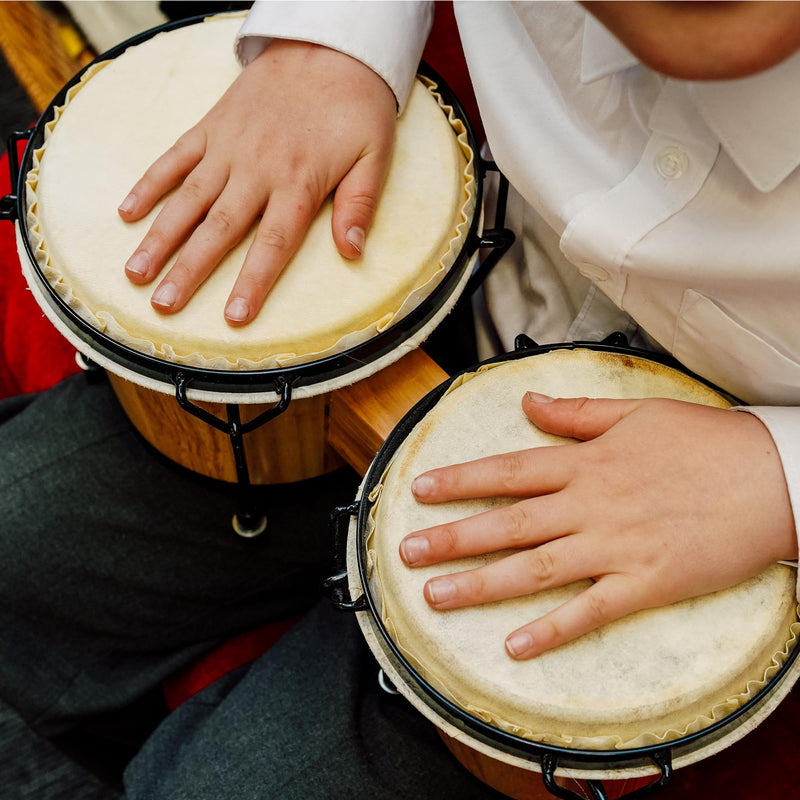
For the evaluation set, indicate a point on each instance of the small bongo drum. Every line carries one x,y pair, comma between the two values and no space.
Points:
657,690
327,323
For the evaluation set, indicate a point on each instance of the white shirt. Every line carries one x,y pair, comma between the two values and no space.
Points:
667,209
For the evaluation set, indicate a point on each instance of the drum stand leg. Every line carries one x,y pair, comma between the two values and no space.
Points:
248,520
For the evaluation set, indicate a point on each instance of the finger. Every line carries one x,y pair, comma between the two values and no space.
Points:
523,524
553,564
355,202
576,417
539,470
226,224
278,237
164,174
174,223
609,599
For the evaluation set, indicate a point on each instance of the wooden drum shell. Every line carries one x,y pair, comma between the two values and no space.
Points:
314,435
291,447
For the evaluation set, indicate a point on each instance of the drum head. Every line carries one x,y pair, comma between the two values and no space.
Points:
656,681
74,246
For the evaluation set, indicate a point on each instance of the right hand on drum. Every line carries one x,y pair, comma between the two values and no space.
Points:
661,501
300,121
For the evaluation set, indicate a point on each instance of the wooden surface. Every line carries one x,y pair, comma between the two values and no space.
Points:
311,437
364,414
291,447
43,51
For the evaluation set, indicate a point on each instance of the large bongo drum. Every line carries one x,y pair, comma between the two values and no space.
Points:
327,323
655,691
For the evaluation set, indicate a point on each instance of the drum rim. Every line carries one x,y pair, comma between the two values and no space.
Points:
570,758
202,379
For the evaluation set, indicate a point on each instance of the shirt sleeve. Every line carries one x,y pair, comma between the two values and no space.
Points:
386,36
783,423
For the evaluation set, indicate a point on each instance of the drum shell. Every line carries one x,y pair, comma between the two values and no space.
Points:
506,762
291,447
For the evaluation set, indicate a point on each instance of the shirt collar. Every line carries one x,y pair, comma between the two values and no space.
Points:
756,119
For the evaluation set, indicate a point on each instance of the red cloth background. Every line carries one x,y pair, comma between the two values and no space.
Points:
33,355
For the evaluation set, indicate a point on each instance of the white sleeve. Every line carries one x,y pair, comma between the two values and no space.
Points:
783,423
386,36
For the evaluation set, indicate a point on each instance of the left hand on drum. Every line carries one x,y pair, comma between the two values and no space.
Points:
660,501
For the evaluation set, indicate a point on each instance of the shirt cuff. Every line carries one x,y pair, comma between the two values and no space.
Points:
783,423
388,36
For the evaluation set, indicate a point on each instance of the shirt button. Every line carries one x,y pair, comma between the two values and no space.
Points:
672,162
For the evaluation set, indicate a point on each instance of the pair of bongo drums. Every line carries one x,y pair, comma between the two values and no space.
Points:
278,400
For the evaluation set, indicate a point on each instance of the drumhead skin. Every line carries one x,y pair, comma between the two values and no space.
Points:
648,679
123,114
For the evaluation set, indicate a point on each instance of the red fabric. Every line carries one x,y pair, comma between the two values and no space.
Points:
33,355
234,653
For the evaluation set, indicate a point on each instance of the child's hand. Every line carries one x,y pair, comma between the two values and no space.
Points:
300,121
663,501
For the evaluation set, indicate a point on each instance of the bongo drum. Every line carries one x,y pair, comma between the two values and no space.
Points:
327,323
657,690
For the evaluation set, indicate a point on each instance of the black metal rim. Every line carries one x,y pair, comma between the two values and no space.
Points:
571,758
249,381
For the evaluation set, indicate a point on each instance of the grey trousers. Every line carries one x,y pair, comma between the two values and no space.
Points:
117,568
306,721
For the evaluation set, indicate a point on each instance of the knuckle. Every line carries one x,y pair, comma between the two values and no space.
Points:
548,632
193,187
542,565
182,274
578,408
474,585
447,541
157,239
517,526
222,221
512,468
597,611
363,202
579,403
273,237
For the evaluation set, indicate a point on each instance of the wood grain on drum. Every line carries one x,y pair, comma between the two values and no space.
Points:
311,437
290,447
363,415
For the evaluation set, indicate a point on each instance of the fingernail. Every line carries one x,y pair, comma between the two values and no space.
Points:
441,590
414,549
422,485
540,398
518,644
237,310
165,296
138,263
356,237
128,204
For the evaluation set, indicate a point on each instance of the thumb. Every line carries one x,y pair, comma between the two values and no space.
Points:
355,202
575,417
